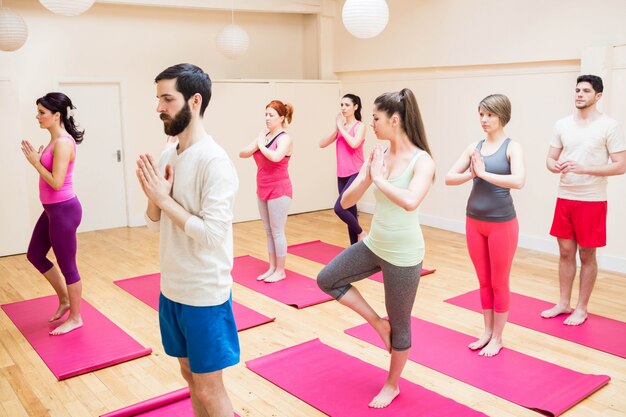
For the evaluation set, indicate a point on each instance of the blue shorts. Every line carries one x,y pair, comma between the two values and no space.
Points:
205,335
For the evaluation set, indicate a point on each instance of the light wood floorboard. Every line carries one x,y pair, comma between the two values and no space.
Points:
27,387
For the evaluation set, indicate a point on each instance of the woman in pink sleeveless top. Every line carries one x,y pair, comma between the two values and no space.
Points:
349,137
271,151
56,227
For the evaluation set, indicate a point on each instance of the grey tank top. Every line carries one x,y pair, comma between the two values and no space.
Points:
488,202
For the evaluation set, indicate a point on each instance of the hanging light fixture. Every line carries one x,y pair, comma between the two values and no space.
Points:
365,18
67,7
13,30
232,40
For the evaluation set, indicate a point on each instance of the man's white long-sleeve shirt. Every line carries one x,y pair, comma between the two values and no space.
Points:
196,263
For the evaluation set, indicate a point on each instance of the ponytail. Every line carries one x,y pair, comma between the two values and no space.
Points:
404,104
60,103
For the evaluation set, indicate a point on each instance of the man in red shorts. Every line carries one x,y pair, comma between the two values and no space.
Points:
582,145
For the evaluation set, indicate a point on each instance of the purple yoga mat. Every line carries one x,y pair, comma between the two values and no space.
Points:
146,288
296,290
96,345
597,332
173,404
323,253
341,385
530,382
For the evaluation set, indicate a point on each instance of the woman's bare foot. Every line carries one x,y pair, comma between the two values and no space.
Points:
67,326
63,308
492,348
555,311
385,396
577,318
362,235
383,328
276,276
266,274
481,342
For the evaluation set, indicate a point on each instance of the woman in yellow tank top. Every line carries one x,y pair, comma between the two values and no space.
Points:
402,176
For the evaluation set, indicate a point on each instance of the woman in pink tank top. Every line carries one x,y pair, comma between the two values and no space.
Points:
271,151
349,137
56,227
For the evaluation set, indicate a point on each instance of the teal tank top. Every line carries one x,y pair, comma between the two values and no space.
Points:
396,235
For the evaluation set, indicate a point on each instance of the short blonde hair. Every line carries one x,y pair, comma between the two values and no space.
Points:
498,104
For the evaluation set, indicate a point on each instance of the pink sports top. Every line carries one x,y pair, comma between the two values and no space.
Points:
349,159
47,194
272,178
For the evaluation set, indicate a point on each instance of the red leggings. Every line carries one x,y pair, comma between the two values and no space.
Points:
491,245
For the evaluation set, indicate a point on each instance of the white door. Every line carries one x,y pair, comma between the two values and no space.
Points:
99,170
15,226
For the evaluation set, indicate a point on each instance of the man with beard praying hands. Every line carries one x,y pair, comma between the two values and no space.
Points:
190,202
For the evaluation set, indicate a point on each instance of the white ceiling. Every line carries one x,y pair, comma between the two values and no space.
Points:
263,6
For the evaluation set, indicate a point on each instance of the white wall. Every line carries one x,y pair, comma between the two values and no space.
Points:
452,53
434,33
130,45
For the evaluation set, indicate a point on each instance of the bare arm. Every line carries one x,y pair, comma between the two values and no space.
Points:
62,152
282,149
552,160
361,183
515,179
460,172
249,150
410,198
356,140
329,139
616,167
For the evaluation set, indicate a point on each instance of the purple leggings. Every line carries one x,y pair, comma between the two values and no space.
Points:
56,229
349,215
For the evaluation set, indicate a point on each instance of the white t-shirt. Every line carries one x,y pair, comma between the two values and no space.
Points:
587,145
196,263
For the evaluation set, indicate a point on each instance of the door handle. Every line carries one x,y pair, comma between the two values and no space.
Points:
119,155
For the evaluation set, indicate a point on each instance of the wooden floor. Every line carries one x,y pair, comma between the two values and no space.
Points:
28,388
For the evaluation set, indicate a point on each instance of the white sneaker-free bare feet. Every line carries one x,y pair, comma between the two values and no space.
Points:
276,276
67,326
492,348
362,235
577,318
555,311
266,274
63,308
384,397
481,342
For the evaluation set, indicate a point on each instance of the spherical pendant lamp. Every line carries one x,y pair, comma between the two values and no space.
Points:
233,41
67,7
365,18
13,30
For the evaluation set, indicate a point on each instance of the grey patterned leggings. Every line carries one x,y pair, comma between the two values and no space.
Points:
358,262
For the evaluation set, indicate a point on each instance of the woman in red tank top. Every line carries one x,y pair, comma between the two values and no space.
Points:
271,151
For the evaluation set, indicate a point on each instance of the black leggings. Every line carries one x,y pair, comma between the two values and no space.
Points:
350,215
358,262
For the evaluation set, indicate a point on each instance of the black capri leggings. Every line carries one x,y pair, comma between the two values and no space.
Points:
358,262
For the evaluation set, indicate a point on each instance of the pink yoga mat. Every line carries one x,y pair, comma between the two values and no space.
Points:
296,290
341,385
173,404
96,345
530,382
323,253
601,333
146,288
